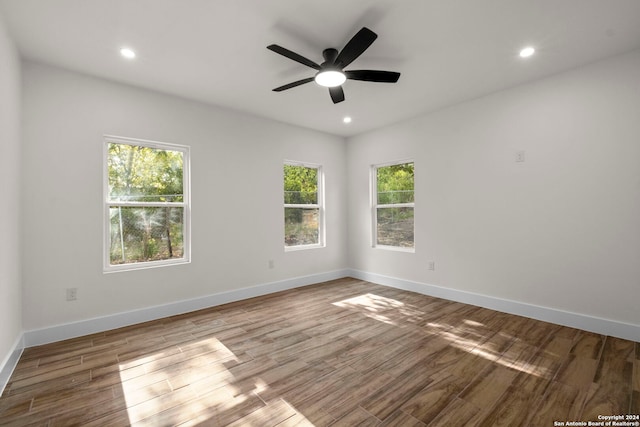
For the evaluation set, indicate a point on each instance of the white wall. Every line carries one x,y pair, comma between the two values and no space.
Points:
561,230
236,175
10,290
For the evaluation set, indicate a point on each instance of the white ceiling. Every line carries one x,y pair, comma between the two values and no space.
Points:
215,51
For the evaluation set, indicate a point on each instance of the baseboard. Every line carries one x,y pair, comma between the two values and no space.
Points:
10,361
118,320
574,320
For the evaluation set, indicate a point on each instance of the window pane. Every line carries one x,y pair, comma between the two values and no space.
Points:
395,227
301,226
145,234
395,184
300,185
144,174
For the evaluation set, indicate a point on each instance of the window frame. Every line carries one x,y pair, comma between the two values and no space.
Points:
320,205
108,204
375,206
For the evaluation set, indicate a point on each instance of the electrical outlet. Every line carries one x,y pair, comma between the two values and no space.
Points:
271,264
72,294
520,156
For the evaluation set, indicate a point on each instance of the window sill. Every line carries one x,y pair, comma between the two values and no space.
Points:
302,247
144,265
395,248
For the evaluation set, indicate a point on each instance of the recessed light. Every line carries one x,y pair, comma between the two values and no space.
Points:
346,120
127,53
527,52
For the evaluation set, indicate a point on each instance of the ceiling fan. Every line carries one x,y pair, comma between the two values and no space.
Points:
331,72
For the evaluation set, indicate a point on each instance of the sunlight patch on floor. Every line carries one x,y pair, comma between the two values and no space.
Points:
166,380
463,340
466,336
374,306
166,389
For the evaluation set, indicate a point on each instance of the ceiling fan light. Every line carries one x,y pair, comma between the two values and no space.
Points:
127,53
527,52
330,78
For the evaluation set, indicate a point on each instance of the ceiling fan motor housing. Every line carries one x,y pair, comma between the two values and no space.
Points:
330,56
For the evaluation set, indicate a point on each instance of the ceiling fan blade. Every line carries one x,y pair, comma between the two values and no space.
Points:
293,84
294,56
337,94
373,76
354,48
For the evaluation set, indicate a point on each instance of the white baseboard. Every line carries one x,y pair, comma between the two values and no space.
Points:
574,320
10,361
118,320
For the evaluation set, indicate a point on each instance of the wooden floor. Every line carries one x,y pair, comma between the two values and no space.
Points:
342,353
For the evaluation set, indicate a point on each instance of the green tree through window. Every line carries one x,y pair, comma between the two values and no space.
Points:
394,205
146,202
302,205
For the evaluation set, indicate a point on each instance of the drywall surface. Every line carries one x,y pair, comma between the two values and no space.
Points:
10,289
237,212
559,230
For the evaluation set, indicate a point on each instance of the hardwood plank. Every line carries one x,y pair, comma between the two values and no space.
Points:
413,356
543,365
352,390
401,419
494,346
562,402
272,414
12,407
40,371
434,398
356,353
635,395
636,373
219,407
635,403
326,385
458,413
390,398
578,371
50,403
518,355
486,390
53,382
298,420
310,414
289,385
588,344
556,346
613,387
458,363
357,417
518,406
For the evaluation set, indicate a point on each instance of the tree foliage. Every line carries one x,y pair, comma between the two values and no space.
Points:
300,188
144,174
395,183
395,186
300,185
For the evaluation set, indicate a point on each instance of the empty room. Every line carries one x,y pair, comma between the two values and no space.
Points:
303,213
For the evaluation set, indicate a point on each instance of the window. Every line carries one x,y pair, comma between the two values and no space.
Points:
393,205
303,206
147,208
